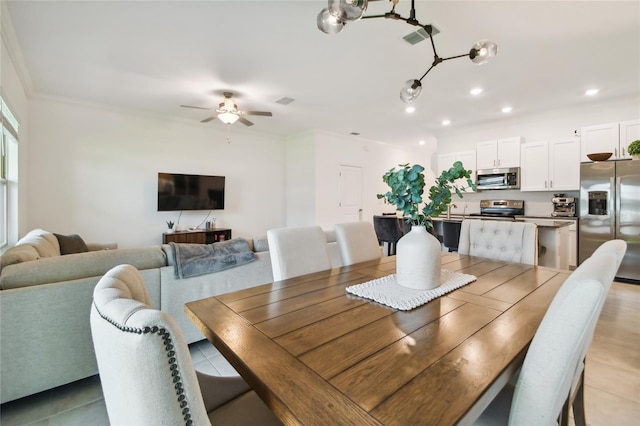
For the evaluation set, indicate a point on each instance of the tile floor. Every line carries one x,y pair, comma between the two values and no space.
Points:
612,376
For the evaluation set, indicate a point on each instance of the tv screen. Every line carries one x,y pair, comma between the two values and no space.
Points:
190,192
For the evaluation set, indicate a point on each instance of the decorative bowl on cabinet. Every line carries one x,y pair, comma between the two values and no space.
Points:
600,156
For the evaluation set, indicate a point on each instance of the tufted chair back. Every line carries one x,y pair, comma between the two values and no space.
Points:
297,251
500,240
145,367
357,241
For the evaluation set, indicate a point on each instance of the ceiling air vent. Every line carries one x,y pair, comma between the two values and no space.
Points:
417,36
284,100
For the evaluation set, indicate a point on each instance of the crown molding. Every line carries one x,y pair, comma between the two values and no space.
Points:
10,40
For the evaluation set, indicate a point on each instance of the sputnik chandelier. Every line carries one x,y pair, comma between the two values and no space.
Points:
338,13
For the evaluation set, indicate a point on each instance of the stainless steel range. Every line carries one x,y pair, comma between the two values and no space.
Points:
500,209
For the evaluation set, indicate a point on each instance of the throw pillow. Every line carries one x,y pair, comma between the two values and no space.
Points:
70,244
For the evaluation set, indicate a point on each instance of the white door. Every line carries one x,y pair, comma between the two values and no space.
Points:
350,202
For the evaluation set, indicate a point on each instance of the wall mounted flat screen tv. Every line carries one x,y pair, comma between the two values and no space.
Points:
190,192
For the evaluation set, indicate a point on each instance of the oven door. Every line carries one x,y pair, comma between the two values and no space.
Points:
507,178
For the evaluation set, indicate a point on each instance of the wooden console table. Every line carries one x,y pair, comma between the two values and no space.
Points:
200,236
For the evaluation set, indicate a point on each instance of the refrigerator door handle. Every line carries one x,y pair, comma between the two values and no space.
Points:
613,195
618,205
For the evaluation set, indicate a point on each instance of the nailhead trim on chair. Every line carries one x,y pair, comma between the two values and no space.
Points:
173,365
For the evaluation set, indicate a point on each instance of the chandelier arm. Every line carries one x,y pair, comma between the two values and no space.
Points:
427,72
464,55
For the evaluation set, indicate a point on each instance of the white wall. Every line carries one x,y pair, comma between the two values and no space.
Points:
554,124
313,195
300,180
93,172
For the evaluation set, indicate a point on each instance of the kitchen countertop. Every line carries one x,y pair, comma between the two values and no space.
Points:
541,221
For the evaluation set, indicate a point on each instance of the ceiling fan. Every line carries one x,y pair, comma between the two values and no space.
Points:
229,113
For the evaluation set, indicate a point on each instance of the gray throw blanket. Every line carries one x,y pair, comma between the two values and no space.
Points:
192,260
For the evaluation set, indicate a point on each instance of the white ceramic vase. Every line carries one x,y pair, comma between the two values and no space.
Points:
635,156
418,260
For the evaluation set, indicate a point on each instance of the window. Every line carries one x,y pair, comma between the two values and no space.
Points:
8,176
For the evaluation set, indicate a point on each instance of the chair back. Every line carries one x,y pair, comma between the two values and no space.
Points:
500,240
555,358
357,241
297,251
144,363
388,228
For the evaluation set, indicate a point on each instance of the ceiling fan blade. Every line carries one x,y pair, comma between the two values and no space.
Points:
206,120
189,106
265,113
245,121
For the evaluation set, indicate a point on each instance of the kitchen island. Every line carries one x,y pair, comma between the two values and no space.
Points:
556,238
555,247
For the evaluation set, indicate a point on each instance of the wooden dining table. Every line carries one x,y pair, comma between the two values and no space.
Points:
318,355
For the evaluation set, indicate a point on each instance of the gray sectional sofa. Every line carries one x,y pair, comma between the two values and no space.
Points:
45,300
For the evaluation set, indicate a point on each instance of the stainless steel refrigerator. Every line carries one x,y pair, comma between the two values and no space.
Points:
610,209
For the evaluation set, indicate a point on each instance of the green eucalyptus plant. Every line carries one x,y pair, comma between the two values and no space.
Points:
407,188
634,147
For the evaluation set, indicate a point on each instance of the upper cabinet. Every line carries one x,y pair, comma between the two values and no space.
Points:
468,160
550,165
629,132
610,137
498,153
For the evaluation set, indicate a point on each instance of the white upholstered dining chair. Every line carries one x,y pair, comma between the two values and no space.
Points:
551,380
145,368
357,241
500,240
297,251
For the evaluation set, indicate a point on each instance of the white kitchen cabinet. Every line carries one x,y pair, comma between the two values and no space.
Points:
550,165
445,161
564,164
610,137
629,132
503,152
534,166
468,160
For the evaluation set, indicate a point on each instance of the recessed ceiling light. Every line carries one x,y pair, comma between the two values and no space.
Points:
591,92
476,91
446,122
506,109
410,109
421,142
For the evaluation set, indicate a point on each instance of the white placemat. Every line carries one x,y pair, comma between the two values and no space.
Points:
387,291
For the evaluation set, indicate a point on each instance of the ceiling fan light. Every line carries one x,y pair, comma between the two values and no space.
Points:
483,51
347,10
328,23
410,91
228,117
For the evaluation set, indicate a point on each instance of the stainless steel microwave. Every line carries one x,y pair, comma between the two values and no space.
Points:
502,178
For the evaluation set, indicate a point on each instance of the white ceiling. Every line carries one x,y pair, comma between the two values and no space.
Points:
152,56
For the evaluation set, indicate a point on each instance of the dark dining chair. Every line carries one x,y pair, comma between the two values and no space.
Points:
389,229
